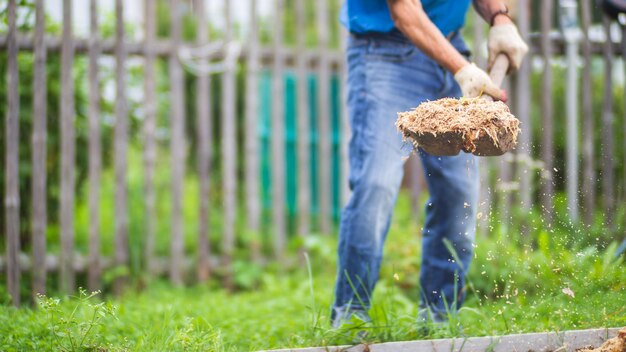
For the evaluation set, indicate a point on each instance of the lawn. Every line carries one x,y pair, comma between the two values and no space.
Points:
555,278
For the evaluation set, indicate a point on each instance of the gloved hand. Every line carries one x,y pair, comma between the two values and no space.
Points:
475,82
504,38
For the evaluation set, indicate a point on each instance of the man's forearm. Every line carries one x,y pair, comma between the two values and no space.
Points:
492,11
410,18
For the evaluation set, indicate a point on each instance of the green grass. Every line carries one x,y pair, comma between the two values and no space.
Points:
516,284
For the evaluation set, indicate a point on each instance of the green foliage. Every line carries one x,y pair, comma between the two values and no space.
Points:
78,330
514,286
526,276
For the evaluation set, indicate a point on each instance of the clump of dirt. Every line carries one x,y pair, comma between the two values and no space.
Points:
445,126
616,344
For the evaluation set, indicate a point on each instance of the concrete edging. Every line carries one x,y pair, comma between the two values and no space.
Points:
566,341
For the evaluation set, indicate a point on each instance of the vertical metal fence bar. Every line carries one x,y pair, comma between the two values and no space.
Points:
623,52
479,40
505,180
323,118
571,108
121,149
12,195
547,142
523,112
278,135
40,121
589,183
503,184
229,157
304,170
149,135
253,206
203,116
415,171
95,151
486,164
608,162
68,152
177,144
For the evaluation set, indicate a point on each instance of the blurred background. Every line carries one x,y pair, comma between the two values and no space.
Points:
203,143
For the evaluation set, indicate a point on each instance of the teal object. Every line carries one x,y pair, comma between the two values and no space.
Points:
291,141
264,130
337,177
314,141
291,145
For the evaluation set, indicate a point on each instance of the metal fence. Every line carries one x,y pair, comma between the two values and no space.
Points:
241,168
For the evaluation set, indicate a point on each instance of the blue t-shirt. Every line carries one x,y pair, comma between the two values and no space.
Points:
362,16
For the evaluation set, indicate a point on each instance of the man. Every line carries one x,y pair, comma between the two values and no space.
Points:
401,53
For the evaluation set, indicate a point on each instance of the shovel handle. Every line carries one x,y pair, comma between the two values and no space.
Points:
499,69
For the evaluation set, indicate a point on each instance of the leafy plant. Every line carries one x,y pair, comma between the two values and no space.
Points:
80,329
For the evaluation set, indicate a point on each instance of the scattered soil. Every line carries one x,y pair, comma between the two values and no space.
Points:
616,344
447,126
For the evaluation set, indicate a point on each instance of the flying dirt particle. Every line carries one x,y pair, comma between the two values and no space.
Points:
396,277
479,215
568,292
465,205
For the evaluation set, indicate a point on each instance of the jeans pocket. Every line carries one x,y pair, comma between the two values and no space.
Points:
390,51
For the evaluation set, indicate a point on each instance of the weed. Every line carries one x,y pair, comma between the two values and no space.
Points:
80,329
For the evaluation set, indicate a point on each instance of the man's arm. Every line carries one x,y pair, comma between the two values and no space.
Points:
492,10
410,18
503,35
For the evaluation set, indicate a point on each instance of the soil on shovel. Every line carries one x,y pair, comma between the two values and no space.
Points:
447,126
616,344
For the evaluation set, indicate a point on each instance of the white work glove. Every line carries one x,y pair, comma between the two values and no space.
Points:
504,38
475,82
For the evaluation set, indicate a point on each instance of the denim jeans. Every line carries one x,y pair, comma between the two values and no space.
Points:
386,75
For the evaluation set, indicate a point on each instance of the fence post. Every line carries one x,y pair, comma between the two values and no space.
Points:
149,133
623,52
205,141
486,165
416,181
12,195
323,118
68,152
229,159
304,170
547,148
523,113
589,183
40,211
252,136
177,144
608,163
95,151
121,150
569,24
278,134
